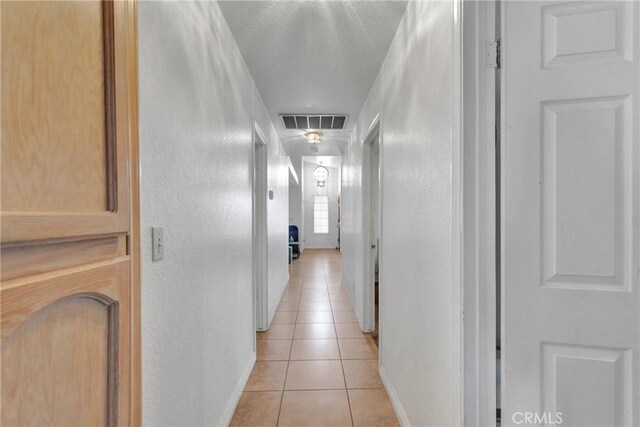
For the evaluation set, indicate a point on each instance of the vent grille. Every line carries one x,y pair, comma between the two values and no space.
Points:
316,121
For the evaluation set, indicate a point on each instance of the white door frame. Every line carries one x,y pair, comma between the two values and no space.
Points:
479,226
259,214
374,131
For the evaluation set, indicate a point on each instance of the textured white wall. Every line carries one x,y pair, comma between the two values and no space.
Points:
312,240
414,94
197,102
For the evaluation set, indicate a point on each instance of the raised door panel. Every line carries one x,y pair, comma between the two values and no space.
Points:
69,42
65,346
58,361
64,113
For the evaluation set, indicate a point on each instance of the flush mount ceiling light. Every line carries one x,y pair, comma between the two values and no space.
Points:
313,137
320,173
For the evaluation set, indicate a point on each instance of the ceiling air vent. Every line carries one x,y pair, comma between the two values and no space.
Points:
317,121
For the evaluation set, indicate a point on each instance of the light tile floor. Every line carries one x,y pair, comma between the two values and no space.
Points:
314,366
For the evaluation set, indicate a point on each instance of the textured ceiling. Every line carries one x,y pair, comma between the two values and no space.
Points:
311,56
328,161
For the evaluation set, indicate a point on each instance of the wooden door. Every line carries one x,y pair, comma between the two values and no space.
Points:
571,213
69,292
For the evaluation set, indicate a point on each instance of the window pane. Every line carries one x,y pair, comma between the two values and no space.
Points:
321,214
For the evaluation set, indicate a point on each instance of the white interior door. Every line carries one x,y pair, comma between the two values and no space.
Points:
371,223
374,232
571,325
260,230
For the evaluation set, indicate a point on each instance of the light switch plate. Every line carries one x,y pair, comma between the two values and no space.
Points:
157,237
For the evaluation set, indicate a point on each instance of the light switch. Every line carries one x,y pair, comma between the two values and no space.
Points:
157,237
270,194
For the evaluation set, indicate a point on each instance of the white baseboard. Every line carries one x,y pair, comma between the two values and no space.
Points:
358,313
272,310
393,397
226,417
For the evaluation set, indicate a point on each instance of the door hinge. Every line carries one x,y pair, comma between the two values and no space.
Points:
493,54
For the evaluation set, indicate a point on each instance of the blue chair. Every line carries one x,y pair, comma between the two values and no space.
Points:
294,242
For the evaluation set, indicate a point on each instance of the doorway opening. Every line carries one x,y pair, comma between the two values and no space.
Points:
372,226
259,203
321,193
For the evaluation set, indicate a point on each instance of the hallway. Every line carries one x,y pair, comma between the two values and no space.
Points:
477,163
314,365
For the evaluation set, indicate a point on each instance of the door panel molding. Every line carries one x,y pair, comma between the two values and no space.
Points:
600,159
20,261
110,104
23,297
612,381
26,300
19,225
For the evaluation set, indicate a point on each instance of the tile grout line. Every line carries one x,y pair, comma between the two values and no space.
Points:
284,384
317,389
344,376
